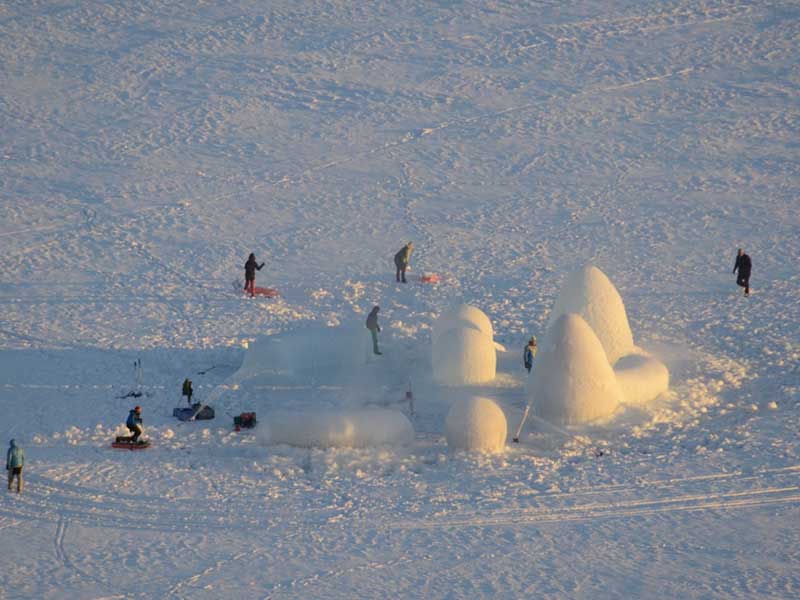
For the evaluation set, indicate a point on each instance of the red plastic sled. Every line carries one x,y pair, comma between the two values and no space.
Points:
429,278
264,292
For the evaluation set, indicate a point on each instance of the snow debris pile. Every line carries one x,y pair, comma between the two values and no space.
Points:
589,293
588,363
573,382
476,423
331,428
463,350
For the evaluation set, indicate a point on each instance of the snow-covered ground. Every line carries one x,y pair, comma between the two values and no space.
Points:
146,147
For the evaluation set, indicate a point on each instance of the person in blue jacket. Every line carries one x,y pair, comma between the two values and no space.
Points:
15,459
134,423
530,353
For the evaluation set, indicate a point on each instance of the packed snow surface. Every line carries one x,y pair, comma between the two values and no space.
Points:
146,148
462,315
589,293
641,378
463,356
338,429
476,423
572,380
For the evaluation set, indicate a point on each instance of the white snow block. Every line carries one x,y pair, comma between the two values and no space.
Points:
463,356
476,423
572,381
590,294
641,378
343,428
462,316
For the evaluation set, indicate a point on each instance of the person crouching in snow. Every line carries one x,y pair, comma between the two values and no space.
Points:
250,268
530,353
15,459
374,328
744,265
134,423
401,261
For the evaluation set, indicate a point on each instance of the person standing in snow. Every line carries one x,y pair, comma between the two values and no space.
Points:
250,268
134,423
401,261
15,459
187,390
744,265
530,353
374,328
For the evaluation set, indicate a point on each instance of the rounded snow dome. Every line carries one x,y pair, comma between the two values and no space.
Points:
476,423
641,378
572,380
590,294
463,357
462,316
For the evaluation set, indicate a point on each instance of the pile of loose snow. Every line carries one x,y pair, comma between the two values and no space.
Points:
463,351
572,379
641,378
476,423
330,428
589,293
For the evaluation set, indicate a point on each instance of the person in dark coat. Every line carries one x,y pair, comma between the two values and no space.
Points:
743,265
187,390
15,459
374,328
250,268
134,423
401,261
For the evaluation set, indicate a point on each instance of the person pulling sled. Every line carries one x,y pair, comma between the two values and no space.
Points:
401,261
250,268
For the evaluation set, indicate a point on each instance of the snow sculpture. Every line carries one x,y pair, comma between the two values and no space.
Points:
343,428
463,315
463,356
476,423
590,294
641,378
316,349
572,380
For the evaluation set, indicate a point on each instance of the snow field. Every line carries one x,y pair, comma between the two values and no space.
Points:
476,423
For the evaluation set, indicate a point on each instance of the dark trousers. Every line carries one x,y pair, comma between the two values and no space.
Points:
401,273
136,431
15,472
250,286
744,281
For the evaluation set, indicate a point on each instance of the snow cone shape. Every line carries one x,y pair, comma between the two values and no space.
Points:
464,356
461,316
476,423
572,380
590,294
641,378
338,428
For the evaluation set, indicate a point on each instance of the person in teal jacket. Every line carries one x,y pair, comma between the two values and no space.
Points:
15,459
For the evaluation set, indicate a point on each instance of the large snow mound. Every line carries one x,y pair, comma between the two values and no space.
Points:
464,356
476,423
590,294
641,378
572,380
308,350
462,316
331,428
